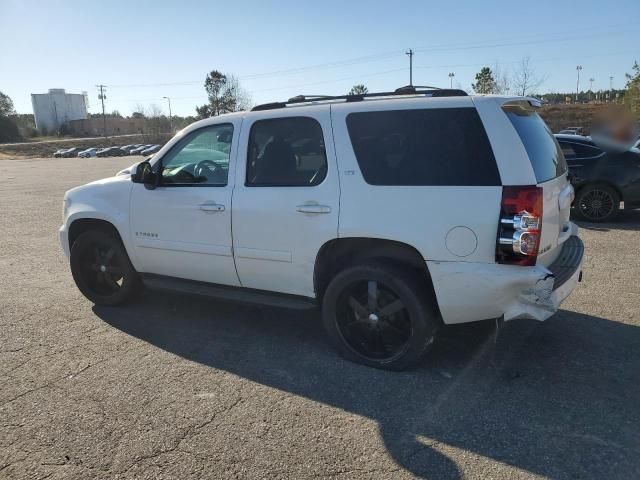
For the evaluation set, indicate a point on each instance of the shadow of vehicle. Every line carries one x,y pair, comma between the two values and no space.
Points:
625,220
559,399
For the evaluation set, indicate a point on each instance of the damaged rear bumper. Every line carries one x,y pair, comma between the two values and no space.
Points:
473,291
545,297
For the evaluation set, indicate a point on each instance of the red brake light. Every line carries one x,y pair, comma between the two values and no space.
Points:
520,225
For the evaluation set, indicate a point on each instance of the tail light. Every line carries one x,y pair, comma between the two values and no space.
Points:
520,225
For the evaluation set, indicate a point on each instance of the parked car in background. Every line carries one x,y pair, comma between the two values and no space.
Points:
138,150
58,153
111,152
128,148
89,152
151,150
572,131
601,179
72,152
395,215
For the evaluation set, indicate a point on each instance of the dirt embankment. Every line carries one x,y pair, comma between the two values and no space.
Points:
562,116
46,149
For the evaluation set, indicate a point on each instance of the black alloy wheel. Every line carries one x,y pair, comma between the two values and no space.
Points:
373,321
101,268
597,203
382,316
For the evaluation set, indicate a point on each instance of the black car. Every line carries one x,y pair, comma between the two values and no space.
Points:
58,153
138,150
601,179
71,152
128,148
111,152
151,150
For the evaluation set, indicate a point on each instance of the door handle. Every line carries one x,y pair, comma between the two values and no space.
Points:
211,207
313,209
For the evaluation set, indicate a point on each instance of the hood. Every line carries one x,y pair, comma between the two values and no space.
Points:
99,186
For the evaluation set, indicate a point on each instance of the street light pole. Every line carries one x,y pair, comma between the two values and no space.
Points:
170,121
451,75
578,68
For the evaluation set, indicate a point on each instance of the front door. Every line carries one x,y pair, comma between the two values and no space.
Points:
286,200
182,228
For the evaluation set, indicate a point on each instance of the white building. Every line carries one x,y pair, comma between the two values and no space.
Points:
53,109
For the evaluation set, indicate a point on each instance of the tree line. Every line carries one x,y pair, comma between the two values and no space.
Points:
225,95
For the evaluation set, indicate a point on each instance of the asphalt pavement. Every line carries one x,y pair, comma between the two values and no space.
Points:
182,387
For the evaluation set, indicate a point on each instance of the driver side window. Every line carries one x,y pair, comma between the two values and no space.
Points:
199,159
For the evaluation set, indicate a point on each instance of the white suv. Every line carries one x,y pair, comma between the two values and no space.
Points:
394,212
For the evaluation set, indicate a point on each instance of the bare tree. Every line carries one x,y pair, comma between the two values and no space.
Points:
154,111
502,80
243,98
525,79
158,123
140,109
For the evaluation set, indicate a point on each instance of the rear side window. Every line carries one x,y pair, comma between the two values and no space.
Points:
286,152
542,147
444,146
579,150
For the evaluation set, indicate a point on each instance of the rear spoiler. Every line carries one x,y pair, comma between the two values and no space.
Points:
527,103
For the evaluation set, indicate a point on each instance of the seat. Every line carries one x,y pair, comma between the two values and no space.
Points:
277,165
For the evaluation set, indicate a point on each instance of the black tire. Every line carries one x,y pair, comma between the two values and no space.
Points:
101,268
363,333
597,203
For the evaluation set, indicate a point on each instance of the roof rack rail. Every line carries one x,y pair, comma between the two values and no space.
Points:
406,90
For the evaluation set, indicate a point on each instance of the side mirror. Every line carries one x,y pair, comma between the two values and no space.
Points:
143,173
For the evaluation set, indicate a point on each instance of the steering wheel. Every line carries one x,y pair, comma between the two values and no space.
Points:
209,165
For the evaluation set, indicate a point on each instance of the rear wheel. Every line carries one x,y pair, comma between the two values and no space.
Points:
101,268
597,203
380,316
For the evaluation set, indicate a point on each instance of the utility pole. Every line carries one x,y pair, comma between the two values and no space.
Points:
170,121
102,96
591,80
451,75
578,68
410,53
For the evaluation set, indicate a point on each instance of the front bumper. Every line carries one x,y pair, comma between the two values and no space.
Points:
468,291
64,240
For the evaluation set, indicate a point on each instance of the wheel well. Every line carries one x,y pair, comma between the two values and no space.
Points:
598,182
85,224
340,253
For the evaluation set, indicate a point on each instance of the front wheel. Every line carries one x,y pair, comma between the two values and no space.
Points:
101,268
597,203
380,316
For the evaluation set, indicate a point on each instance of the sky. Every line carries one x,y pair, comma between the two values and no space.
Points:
146,50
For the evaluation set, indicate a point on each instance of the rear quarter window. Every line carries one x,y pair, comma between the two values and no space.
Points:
546,156
444,146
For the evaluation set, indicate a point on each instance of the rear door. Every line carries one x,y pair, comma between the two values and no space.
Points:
550,170
286,199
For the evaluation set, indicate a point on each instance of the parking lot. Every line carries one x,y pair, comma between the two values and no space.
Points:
184,387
